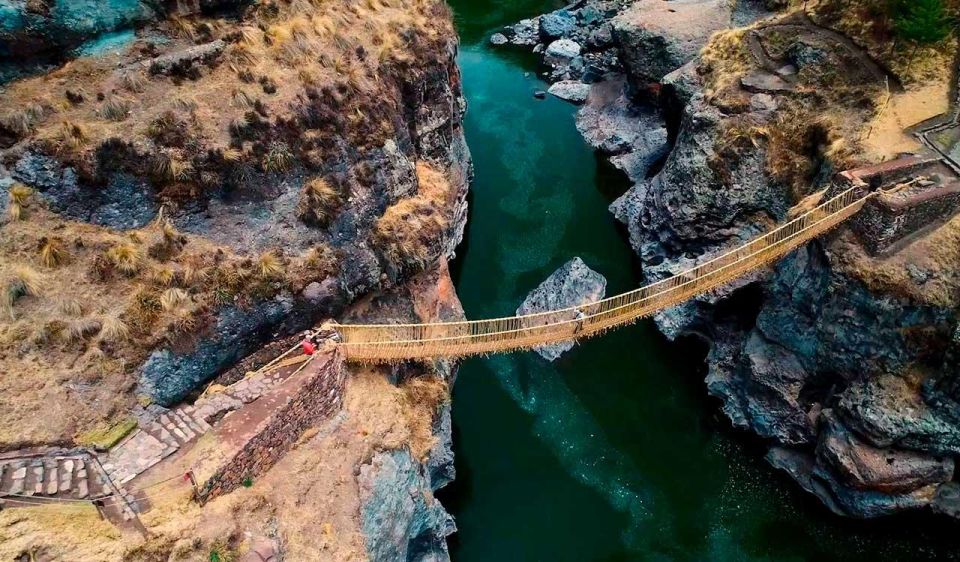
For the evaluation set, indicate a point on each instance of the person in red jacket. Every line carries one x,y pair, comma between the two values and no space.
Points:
308,344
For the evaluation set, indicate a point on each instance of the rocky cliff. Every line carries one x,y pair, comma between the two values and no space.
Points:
183,182
842,364
210,185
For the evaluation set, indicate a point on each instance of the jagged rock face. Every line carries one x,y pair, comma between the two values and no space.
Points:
400,518
857,479
657,38
688,209
633,137
123,202
440,466
830,321
861,465
824,365
760,385
573,284
29,27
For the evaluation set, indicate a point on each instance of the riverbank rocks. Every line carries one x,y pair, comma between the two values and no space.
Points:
571,285
556,24
570,90
562,50
634,137
400,518
659,37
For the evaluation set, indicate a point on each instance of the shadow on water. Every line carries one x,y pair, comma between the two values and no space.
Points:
614,452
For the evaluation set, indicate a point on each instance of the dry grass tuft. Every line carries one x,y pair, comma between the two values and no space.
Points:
278,158
169,168
22,281
113,329
173,298
18,198
319,202
69,306
115,109
126,257
133,81
52,252
269,265
162,275
81,329
242,99
71,135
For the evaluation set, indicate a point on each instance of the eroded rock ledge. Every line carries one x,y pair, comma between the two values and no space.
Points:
844,361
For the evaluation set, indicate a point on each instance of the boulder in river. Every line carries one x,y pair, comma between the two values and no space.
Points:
572,285
570,90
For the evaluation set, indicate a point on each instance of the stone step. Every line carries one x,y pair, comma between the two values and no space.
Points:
18,479
51,478
33,484
195,425
66,475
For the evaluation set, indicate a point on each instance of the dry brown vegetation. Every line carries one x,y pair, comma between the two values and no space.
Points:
822,122
81,310
82,306
410,230
299,75
319,202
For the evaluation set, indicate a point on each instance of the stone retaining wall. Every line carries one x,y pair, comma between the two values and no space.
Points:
302,401
883,221
892,217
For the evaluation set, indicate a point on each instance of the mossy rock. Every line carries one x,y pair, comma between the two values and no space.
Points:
106,436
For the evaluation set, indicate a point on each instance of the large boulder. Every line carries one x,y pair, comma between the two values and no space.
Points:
562,50
657,37
572,285
889,411
842,499
860,465
557,24
570,90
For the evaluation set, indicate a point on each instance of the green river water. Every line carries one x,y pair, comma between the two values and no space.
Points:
614,452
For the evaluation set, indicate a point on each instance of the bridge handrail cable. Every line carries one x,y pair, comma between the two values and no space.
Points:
598,314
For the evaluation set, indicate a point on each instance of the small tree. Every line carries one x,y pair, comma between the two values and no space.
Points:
923,22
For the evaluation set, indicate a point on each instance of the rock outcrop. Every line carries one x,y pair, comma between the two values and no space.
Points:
401,519
657,37
571,285
850,382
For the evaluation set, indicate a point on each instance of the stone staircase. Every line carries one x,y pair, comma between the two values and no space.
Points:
51,478
171,430
154,442
65,477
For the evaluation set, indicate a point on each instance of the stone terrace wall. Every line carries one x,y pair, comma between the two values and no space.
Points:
307,399
882,222
892,217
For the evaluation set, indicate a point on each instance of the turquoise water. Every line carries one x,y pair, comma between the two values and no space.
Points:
614,452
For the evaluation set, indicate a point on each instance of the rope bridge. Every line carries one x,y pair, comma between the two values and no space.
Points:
382,343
